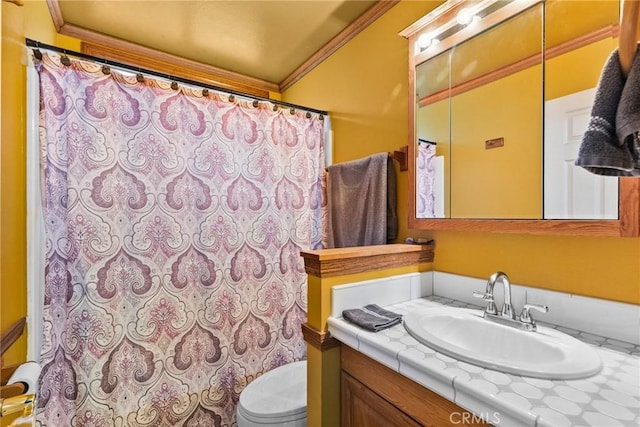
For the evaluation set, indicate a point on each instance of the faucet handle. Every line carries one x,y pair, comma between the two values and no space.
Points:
525,316
486,296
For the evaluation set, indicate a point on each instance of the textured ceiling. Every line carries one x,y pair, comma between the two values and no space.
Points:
265,39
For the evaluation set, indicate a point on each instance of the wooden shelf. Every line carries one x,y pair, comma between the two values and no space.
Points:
341,261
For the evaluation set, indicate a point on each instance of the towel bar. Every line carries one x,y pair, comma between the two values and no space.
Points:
629,33
400,155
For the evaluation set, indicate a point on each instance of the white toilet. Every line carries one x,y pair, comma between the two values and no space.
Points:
275,399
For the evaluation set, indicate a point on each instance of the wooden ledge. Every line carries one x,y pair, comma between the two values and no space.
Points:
342,261
11,334
322,340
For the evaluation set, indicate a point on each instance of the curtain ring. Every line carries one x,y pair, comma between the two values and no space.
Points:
65,60
106,70
275,107
321,117
292,111
140,78
308,115
255,103
205,92
37,54
232,98
174,85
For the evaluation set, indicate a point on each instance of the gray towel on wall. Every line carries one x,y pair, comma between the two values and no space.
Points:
361,198
372,317
610,144
392,203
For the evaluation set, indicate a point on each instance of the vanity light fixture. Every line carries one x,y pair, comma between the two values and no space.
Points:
459,23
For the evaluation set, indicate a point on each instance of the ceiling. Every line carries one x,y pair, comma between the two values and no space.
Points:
266,40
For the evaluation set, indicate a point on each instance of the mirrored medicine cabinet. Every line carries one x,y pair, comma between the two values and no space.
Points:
500,93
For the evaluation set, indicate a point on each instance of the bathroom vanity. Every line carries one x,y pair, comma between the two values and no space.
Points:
390,378
373,394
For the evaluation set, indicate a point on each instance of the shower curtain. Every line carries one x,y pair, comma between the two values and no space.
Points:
425,181
174,221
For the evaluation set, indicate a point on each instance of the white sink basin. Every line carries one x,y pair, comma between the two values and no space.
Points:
465,335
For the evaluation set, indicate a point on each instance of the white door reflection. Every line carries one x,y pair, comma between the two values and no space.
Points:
570,191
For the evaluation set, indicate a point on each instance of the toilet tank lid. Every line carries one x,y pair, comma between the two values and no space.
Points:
279,392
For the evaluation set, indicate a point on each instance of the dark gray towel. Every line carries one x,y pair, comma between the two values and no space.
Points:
628,117
601,151
361,200
372,317
392,203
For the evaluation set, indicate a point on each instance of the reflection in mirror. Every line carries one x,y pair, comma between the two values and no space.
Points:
579,39
433,132
430,180
481,102
496,126
577,48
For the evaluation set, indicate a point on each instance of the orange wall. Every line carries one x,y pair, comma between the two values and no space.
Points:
364,87
478,187
578,69
29,21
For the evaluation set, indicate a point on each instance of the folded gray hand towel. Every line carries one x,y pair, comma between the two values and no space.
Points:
372,317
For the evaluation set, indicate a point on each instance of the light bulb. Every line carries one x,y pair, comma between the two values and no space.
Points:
425,40
465,16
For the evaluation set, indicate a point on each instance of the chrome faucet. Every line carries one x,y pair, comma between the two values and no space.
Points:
507,316
507,308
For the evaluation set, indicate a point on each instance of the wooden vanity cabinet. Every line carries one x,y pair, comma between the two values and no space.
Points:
374,395
361,407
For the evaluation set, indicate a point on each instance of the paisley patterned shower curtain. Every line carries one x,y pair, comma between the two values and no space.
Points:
174,221
425,181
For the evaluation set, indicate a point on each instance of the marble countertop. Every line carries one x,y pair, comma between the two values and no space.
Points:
610,398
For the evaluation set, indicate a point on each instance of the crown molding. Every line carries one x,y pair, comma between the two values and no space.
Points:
352,30
116,49
98,44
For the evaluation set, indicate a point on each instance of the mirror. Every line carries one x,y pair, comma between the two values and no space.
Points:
478,119
577,49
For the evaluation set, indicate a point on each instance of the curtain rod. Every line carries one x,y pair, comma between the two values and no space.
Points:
35,44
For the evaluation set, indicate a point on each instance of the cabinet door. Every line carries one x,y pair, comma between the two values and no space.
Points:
361,407
381,387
